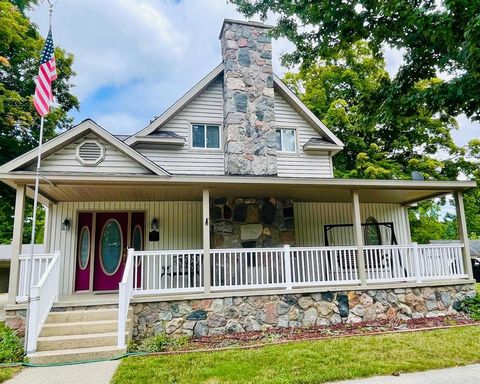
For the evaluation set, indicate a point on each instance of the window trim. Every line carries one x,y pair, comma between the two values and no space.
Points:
205,123
294,129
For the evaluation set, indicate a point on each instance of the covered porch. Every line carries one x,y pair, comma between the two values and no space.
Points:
333,233
304,236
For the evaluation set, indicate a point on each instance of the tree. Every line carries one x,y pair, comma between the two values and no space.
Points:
347,92
20,49
435,36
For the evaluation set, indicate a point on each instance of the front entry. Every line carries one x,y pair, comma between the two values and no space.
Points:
110,234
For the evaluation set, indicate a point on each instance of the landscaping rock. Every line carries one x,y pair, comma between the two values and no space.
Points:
197,315
173,325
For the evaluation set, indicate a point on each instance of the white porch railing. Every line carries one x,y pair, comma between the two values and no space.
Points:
248,268
177,272
40,264
318,266
392,263
161,272
43,295
441,261
170,272
124,295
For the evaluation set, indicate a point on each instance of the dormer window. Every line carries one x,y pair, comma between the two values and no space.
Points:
206,136
286,140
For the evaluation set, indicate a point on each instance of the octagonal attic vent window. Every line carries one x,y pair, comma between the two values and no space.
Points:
90,152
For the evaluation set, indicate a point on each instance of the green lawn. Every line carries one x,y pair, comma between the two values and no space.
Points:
310,362
8,373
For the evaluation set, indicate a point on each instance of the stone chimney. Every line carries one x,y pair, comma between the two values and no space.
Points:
248,100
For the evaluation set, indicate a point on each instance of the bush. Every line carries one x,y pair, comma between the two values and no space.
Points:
471,306
11,346
158,343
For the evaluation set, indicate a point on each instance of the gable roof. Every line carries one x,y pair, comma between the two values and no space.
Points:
177,106
281,88
73,134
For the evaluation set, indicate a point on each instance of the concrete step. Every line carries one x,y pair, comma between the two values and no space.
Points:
83,315
73,355
81,327
52,343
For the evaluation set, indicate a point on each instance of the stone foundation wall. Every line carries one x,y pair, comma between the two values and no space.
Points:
252,222
254,313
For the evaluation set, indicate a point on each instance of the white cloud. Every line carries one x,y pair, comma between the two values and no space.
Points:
134,58
119,122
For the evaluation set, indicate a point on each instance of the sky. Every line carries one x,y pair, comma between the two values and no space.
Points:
134,58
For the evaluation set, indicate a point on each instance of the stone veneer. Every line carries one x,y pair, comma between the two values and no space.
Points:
249,118
201,317
252,222
254,313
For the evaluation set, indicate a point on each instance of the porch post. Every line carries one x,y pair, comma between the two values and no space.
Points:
357,232
463,233
17,241
206,240
46,229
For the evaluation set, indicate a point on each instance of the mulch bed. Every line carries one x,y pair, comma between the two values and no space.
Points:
281,335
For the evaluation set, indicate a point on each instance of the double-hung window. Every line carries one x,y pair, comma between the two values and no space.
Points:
286,140
206,136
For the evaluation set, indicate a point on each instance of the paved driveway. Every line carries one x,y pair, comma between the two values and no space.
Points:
92,373
460,375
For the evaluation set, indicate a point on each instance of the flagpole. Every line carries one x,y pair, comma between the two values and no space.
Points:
34,222
35,204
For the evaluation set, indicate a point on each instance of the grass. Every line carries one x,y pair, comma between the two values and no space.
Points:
11,351
310,362
8,373
477,288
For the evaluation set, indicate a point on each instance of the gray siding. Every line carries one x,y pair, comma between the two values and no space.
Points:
300,164
180,227
115,161
208,108
205,108
310,219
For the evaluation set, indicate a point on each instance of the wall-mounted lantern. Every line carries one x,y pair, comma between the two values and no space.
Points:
66,225
154,235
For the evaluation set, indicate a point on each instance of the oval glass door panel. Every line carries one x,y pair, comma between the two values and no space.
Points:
84,245
137,238
111,247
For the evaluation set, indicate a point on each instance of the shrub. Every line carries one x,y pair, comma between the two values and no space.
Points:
11,346
471,306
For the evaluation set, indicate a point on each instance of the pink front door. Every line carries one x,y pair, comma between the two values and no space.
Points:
84,251
102,242
111,243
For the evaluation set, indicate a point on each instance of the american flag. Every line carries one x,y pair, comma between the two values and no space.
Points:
46,74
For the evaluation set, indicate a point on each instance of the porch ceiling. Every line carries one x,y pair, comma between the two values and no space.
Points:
134,188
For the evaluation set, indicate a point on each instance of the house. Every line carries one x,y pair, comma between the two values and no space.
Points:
222,215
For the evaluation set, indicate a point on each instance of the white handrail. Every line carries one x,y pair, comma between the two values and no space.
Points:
42,296
40,263
124,295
